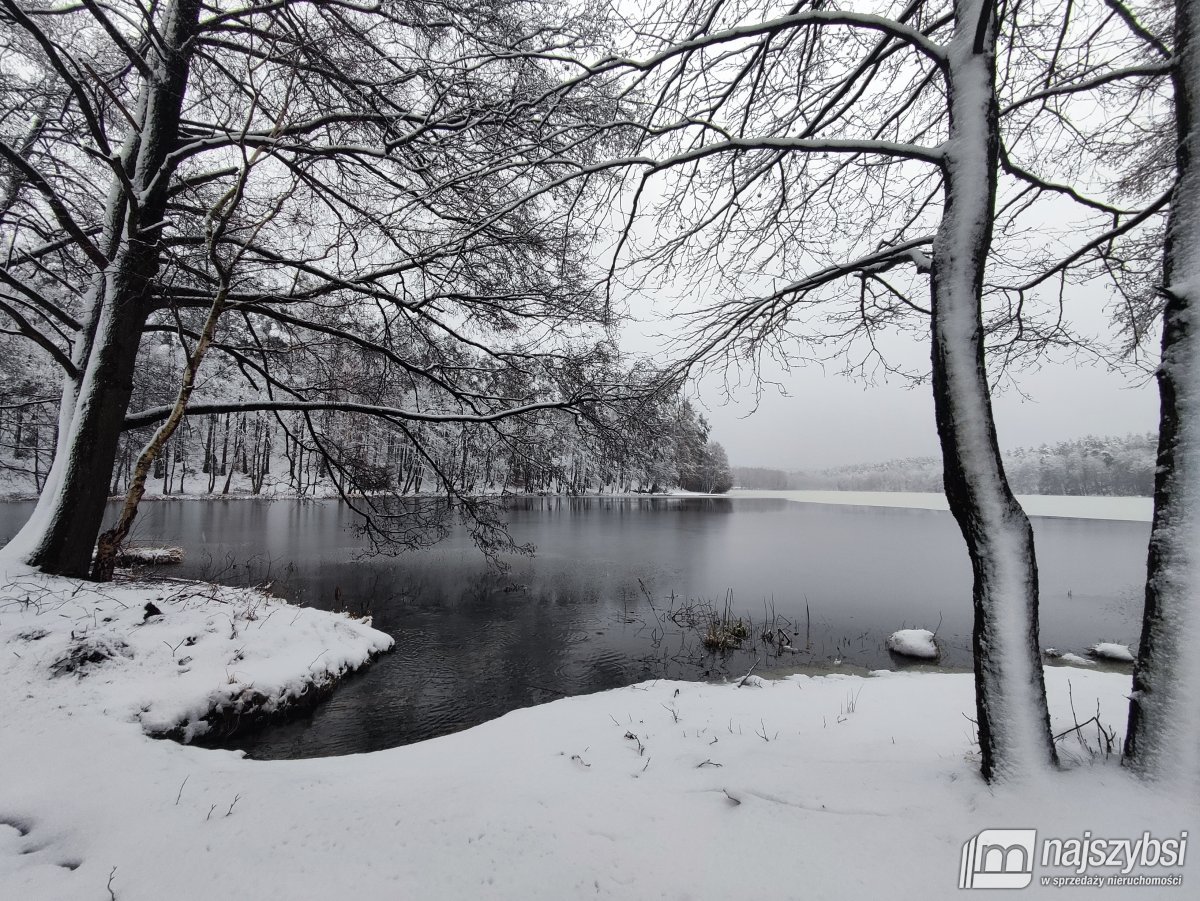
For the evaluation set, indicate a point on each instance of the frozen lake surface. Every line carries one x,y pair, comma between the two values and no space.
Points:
620,587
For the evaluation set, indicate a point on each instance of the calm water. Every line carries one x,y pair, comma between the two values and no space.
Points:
618,592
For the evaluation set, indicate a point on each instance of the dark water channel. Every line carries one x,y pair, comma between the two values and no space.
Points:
619,591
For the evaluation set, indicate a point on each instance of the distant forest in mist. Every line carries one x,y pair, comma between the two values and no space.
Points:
1110,465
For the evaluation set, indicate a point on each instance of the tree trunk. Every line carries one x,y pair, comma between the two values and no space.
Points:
1163,738
210,454
111,540
1013,721
61,534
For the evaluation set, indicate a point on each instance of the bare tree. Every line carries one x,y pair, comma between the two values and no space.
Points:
818,170
413,139
223,258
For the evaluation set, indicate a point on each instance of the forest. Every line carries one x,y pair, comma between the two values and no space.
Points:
665,446
1115,466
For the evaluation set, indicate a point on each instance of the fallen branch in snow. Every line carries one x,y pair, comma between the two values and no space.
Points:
1107,736
149,556
748,672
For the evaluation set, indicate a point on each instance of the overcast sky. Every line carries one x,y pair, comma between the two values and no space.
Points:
828,420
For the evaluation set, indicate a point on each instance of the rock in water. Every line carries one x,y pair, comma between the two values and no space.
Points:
918,643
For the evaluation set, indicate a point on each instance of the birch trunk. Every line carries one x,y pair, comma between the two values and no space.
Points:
111,540
1013,720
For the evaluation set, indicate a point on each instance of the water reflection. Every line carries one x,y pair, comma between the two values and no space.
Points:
610,597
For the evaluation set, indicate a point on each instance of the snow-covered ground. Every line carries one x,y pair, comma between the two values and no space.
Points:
1135,509
808,787
174,656
16,486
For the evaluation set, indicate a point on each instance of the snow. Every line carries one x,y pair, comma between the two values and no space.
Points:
1067,658
1109,650
150,556
1075,659
824,787
913,643
198,650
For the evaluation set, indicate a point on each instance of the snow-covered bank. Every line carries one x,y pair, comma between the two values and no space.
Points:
177,657
810,787
1132,509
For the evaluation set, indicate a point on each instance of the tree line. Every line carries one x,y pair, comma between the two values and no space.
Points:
665,446
1113,466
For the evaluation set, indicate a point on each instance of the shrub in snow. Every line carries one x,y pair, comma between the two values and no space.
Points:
88,651
918,643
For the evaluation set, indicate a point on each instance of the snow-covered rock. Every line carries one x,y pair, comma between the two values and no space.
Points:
1110,650
917,643
1067,657
1075,660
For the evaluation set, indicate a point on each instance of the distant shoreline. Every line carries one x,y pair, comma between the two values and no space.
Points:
1124,509
1052,506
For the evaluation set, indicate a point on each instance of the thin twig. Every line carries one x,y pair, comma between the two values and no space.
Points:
757,661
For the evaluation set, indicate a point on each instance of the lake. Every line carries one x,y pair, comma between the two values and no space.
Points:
621,590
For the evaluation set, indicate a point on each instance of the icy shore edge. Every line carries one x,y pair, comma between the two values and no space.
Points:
187,660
